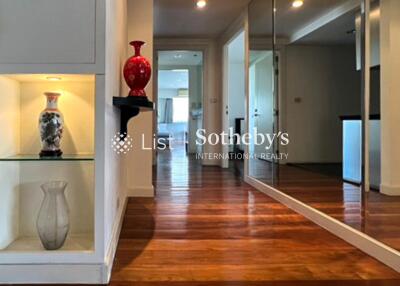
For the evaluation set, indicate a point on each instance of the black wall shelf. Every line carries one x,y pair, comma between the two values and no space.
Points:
130,107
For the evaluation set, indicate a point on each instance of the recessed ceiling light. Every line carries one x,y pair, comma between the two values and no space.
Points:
53,78
178,56
201,4
297,3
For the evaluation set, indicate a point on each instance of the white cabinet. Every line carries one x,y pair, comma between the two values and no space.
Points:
50,32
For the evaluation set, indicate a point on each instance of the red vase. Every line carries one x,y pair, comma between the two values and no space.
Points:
137,71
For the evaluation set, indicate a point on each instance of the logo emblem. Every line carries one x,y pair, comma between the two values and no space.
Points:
121,143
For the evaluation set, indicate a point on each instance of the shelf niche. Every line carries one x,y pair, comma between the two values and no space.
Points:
22,171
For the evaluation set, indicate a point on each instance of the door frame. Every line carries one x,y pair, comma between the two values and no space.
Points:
180,45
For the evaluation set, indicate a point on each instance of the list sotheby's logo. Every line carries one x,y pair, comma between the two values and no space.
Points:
123,143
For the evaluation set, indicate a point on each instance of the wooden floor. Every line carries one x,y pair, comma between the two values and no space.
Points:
207,227
374,214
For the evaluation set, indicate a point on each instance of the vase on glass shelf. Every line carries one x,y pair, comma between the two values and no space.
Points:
53,220
137,72
51,125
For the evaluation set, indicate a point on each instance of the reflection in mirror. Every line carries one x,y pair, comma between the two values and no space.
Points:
319,105
261,89
382,202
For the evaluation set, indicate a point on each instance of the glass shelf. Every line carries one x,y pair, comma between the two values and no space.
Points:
32,157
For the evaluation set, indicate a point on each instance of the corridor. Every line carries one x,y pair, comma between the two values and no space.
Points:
207,227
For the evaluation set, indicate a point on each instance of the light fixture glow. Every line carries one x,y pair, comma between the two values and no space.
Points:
201,4
297,3
53,78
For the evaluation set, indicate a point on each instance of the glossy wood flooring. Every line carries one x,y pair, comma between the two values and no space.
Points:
207,227
376,215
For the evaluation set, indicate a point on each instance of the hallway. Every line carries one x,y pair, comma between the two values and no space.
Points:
207,227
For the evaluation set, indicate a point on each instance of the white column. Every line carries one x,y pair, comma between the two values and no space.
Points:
139,162
390,96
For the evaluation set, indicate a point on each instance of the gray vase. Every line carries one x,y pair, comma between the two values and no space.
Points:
53,219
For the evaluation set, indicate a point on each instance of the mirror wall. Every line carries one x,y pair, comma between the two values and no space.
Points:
316,99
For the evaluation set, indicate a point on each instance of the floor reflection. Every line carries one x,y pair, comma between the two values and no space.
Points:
324,190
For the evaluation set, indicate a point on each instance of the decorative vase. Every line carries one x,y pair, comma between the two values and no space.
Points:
137,71
51,125
53,219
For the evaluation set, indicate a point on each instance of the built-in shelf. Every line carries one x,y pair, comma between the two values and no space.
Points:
82,242
32,157
130,107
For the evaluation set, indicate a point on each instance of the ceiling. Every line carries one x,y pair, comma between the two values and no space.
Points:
181,18
180,58
338,31
173,79
290,21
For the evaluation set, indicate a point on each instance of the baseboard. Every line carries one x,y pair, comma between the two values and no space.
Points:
390,190
52,274
143,191
367,244
109,260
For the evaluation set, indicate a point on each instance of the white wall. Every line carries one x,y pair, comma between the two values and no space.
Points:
213,98
114,190
236,92
324,78
236,79
390,99
195,103
9,116
9,172
139,162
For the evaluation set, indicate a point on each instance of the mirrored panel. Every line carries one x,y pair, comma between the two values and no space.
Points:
382,202
316,98
261,90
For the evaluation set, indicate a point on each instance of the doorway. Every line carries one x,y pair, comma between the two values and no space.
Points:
179,103
234,98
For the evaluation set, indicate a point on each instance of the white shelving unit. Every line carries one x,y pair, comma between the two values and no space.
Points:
62,38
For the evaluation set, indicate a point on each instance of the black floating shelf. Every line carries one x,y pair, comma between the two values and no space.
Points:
130,107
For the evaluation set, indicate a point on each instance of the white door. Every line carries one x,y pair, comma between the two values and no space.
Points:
261,102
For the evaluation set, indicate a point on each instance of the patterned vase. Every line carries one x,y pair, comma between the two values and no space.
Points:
137,71
53,220
51,125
